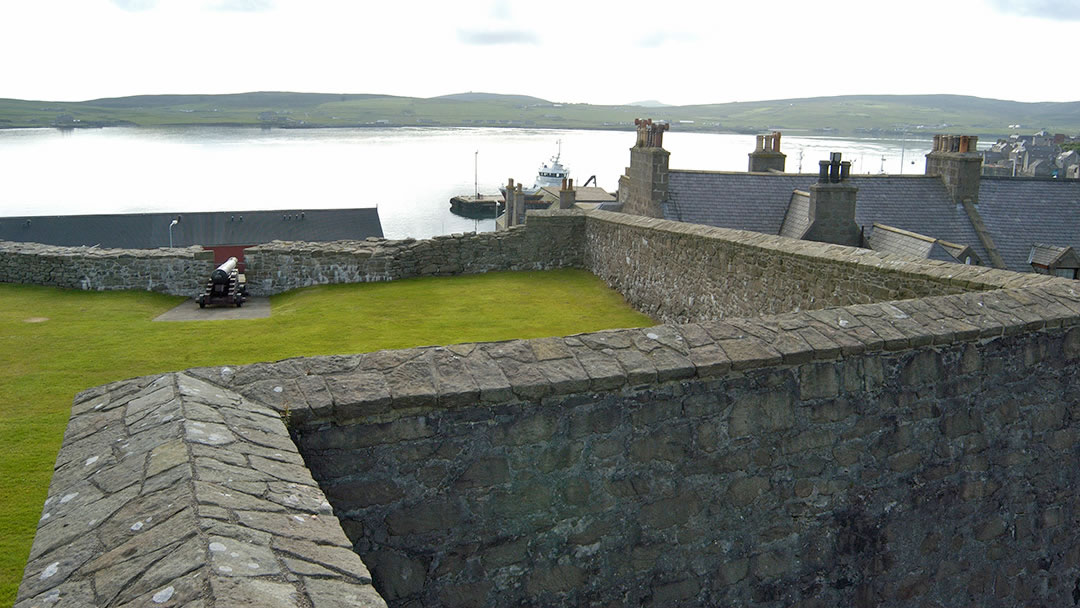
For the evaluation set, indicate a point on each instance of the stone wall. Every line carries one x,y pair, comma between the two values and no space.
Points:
677,272
817,446
173,271
169,491
874,455
550,240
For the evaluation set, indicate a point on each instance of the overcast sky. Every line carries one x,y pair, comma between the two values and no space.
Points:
600,52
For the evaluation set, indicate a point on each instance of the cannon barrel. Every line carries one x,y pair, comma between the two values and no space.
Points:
222,273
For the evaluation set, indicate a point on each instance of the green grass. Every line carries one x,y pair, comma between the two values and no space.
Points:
93,338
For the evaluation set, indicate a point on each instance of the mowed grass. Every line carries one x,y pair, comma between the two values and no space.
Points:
92,338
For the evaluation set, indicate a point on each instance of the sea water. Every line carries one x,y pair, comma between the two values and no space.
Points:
408,173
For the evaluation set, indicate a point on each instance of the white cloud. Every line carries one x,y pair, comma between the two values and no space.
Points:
603,51
1068,10
497,37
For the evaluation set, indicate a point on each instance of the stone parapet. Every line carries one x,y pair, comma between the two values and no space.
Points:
551,240
716,463
171,491
171,271
678,272
815,426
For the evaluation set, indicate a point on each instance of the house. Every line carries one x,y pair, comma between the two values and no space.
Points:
949,213
1060,261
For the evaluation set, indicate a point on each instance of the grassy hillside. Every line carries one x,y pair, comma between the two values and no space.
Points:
847,115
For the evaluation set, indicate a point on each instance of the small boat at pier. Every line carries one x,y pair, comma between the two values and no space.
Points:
550,174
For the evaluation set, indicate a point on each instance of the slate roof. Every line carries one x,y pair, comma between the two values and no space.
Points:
889,239
917,203
209,229
744,201
797,220
759,202
1047,255
1020,212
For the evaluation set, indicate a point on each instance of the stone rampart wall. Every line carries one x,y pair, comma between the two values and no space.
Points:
550,240
173,271
874,455
916,451
170,491
677,272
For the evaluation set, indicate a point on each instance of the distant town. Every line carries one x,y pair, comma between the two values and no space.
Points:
1039,155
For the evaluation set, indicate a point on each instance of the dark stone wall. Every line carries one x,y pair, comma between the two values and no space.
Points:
926,476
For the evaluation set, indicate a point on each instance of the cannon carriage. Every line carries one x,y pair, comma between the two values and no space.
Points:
226,287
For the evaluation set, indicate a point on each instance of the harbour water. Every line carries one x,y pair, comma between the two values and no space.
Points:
409,173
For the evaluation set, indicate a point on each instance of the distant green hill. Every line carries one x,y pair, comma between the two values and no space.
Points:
845,115
515,99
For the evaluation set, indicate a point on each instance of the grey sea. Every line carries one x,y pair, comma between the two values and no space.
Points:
408,173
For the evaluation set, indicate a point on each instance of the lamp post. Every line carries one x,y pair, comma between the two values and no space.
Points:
174,222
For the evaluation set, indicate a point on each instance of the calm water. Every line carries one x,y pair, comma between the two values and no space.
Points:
409,174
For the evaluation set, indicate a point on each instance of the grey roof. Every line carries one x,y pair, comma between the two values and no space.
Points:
212,228
889,239
1020,212
744,201
1047,255
917,203
797,220
759,202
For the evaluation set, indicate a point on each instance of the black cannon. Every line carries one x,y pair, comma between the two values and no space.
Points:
226,287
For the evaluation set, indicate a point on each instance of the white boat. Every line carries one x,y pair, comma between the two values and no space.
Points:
550,174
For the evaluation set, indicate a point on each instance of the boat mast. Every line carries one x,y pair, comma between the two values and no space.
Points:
476,182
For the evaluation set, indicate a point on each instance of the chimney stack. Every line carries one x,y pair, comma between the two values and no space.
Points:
956,159
766,155
519,206
832,204
643,189
567,196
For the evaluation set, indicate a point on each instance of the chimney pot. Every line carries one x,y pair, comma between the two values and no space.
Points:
776,141
823,172
845,170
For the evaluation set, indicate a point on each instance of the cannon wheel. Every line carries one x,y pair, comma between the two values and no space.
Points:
202,302
239,301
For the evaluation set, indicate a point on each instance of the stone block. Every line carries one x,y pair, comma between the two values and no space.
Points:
484,472
818,381
667,444
398,575
465,595
533,428
424,517
554,579
668,512
732,571
745,490
762,411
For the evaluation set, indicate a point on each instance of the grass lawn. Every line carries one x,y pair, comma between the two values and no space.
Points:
92,338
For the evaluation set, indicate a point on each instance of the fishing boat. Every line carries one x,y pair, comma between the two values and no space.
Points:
550,174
